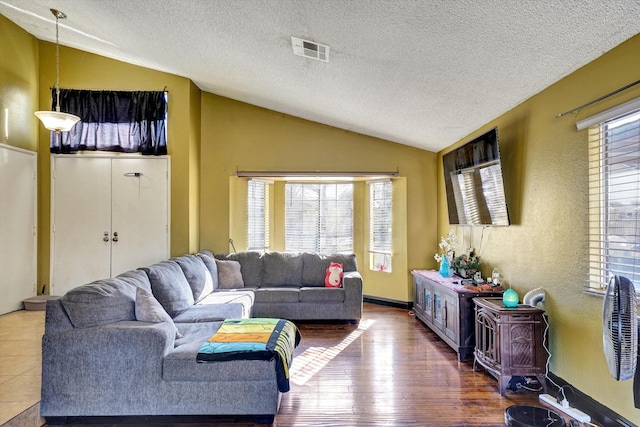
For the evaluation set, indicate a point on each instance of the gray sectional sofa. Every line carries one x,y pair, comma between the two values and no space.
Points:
127,345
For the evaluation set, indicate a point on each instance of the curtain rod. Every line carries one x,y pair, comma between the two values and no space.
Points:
598,99
115,90
280,174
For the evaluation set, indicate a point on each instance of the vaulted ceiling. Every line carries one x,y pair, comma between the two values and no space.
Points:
424,73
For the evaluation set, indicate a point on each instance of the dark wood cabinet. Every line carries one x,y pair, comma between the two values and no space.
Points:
447,308
509,341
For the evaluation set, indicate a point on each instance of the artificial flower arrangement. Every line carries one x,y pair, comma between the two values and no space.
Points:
466,265
447,244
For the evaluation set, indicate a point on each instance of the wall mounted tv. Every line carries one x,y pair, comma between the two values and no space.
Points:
473,181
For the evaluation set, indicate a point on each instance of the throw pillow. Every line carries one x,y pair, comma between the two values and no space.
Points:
229,274
148,309
333,279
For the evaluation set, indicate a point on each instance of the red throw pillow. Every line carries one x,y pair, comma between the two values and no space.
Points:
333,279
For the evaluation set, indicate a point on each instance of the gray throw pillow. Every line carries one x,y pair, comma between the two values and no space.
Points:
229,274
148,309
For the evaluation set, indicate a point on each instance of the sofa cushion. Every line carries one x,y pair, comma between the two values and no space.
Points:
244,297
210,313
170,287
210,263
317,294
229,274
281,268
314,268
251,266
137,278
180,364
100,303
275,295
148,309
197,275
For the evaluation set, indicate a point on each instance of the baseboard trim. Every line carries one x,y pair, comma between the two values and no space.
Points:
599,413
388,302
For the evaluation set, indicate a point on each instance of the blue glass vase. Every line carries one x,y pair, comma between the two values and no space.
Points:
445,269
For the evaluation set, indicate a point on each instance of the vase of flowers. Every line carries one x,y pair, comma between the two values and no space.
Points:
447,245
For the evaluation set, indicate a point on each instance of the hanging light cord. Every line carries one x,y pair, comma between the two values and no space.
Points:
58,15
57,69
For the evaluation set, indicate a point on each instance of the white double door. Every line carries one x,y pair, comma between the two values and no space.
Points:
109,215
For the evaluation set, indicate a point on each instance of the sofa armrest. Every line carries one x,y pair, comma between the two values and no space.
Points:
352,284
83,362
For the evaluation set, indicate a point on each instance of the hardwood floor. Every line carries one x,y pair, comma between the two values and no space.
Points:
390,370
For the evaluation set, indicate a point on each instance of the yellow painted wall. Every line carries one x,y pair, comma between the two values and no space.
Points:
18,86
194,168
83,70
545,174
239,136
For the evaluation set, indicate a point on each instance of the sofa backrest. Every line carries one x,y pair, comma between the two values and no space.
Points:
251,266
315,266
100,303
284,269
281,269
198,275
170,287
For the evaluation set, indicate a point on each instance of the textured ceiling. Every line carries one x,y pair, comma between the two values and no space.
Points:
421,73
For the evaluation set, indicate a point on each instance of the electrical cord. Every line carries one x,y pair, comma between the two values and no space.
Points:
546,374
546,347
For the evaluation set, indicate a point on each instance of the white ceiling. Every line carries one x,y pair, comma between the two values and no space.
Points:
424,73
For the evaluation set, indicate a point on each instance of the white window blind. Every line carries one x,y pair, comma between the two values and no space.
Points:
258,216
614,200
380,225
319,217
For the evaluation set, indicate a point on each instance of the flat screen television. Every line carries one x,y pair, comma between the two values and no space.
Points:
473,181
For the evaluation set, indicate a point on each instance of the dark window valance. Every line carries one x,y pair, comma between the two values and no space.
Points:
110,120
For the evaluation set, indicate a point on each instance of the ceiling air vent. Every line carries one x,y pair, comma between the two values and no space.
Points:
310,49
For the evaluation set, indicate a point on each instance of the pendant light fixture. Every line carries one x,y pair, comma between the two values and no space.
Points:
57,121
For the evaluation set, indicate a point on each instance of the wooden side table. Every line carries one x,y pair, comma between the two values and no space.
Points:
509,341
445,306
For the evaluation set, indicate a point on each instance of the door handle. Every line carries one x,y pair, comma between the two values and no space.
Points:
115,236
105,236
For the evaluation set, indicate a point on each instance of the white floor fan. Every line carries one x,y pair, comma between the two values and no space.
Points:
620,332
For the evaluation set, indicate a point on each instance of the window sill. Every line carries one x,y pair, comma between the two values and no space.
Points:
594,292
600,294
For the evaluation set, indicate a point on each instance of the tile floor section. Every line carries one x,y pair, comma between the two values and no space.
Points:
20,368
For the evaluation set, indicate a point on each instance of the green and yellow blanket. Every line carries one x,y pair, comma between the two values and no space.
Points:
254,339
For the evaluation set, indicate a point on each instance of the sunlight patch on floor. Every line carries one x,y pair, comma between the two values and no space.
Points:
313,359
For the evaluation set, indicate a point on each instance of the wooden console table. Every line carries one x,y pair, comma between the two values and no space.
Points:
509,340
446,307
